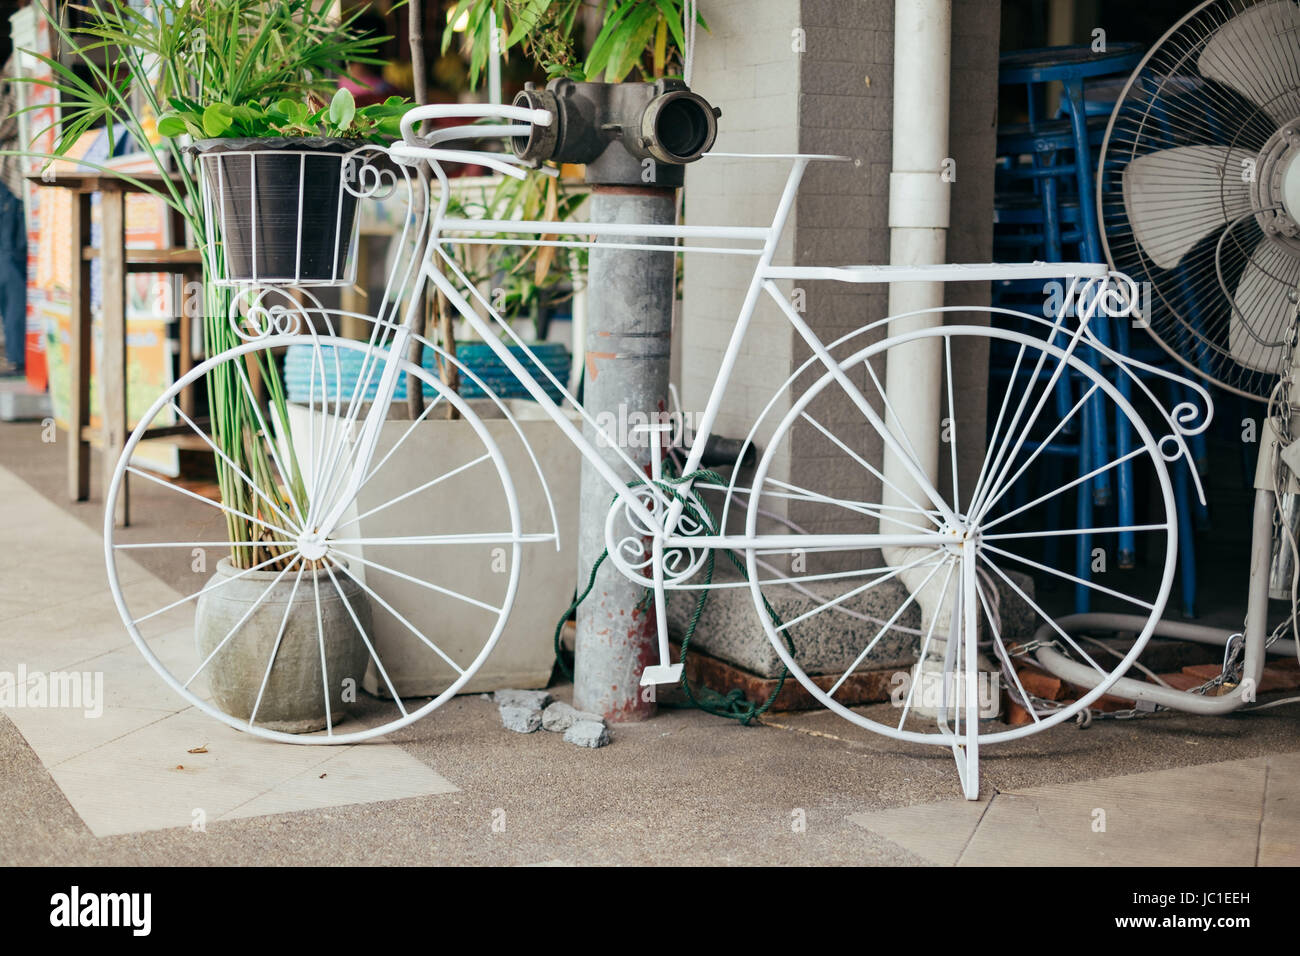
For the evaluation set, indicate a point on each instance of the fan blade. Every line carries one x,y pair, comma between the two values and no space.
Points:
1257,53
1262,306
1176,197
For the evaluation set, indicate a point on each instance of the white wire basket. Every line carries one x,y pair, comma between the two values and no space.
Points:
280,211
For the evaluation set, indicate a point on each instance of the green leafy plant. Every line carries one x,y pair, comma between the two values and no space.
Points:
642,36
245,58
341,119
637,36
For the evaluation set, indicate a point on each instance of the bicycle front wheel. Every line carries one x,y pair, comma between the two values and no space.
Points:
274,618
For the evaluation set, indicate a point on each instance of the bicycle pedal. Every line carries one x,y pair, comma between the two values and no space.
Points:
661,674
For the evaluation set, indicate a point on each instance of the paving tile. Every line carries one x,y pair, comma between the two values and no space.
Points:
939,832
61,635
1206,815
56,613
59,735
157,783
130,682
363,773
1279,831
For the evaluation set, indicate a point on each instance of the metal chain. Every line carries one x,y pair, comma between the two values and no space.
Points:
1041,706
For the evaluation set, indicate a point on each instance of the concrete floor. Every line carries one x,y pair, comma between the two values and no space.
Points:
684,788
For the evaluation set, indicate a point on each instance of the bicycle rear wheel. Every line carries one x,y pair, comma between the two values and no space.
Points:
971,543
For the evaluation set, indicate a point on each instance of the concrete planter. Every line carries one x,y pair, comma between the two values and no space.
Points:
294,700
524,654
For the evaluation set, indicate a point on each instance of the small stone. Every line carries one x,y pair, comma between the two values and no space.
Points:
559,717
522,720
533,699
587,733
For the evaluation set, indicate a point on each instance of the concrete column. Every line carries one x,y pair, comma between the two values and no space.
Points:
629,334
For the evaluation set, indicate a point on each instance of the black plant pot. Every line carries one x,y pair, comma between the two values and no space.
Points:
283,212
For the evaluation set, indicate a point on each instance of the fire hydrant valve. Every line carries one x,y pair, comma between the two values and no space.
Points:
614,129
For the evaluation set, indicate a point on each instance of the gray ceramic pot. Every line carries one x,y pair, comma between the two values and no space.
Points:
294,700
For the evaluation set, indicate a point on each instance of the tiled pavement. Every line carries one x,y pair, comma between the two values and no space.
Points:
678,787
56,614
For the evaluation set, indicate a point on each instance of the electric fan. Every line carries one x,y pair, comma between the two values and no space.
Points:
1199,189
1199,196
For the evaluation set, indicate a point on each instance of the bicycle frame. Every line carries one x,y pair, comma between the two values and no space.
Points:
447,230
661,514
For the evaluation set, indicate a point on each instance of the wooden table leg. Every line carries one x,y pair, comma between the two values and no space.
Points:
112,366
79,349
185,332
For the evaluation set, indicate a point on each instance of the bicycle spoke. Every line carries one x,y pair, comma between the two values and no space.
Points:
860,589
342,423
226,458
374,595
1061,365
279,636
208,501
240,623
997,430
324,671
925,644
884,628
1066,487
800,494
952,650
221,583
863,462
398,444
487,537
1006,658
426,584
797,492
1051,621
999,490
998,468
242,373
802,579
374,655
414,491
898,421
334,429
137,545
1071,578
952,425
1115,529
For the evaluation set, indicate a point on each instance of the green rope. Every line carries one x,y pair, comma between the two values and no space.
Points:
732,705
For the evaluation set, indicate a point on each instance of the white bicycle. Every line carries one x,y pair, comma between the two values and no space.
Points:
960,534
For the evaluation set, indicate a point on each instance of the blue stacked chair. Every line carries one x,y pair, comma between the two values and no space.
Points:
1046,209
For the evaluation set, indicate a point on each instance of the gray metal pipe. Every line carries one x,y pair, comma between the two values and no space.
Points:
1255,635
630,308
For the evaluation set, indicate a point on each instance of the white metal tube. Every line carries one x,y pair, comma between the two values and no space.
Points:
412,118
918,221
494,58
652,230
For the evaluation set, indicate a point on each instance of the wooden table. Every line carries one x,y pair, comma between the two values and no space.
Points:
117,261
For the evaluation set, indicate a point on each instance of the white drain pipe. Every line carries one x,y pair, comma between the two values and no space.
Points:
918,231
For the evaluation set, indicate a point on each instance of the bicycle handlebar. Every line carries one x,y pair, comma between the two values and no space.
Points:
469,111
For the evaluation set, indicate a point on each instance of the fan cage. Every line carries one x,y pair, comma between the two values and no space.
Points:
1189,308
